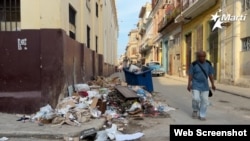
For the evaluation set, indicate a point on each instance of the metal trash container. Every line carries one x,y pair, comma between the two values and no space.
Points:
140,79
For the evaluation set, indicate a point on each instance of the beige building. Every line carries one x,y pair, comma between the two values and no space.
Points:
235,44
86,21
53,45
145,29
132,49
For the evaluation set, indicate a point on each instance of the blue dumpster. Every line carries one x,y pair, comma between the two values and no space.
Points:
140,79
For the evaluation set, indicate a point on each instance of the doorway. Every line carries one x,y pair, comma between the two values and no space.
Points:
213,47
188,41
165,56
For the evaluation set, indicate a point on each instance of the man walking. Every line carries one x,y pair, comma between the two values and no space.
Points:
198,84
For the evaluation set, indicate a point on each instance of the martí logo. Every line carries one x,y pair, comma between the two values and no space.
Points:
221,19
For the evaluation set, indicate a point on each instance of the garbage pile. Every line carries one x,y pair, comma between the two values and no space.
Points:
101,99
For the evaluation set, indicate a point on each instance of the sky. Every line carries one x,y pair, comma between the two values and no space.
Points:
128,16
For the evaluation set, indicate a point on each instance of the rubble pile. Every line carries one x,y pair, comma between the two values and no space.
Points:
100,99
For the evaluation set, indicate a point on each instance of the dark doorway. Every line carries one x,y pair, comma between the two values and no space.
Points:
213,47
88,36
188,51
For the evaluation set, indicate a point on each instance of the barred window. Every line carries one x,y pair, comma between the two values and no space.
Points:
10,16
245,5
246,44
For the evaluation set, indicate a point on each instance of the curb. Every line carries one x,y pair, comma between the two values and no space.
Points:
218,89
32,135
46,135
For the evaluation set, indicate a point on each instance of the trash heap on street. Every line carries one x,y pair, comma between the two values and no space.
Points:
103,98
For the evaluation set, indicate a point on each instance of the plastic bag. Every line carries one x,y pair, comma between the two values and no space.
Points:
111,132
135,106
141,93
95,113
45,112
82,105
4,139
92,94
101,136
82,87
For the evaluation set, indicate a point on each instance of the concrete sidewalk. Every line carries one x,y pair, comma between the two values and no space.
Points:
11,128
235,90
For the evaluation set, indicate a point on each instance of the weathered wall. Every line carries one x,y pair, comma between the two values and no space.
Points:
39,73
20,75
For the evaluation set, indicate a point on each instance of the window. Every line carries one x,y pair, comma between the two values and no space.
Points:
96,9
246,44
134,51
177,40
245,5
72,22
96,44
72,15
88,36
9,15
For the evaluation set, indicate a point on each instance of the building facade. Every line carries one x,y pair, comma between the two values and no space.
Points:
171,37
46,46
197,32
235,44
132,49
145,30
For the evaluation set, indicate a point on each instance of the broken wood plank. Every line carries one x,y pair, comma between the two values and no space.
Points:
126,92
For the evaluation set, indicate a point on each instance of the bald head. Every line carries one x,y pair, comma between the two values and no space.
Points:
201,56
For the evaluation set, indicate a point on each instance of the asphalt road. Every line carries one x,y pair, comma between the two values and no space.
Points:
224,109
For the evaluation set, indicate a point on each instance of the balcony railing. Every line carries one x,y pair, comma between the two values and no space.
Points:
148,44
169,18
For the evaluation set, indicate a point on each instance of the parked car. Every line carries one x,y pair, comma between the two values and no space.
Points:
156,68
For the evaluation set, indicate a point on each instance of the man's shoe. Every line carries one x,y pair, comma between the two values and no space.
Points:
195,115
202,118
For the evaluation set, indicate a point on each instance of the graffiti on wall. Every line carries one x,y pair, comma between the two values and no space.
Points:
22,44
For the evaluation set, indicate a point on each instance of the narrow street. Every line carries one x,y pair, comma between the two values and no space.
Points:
225,108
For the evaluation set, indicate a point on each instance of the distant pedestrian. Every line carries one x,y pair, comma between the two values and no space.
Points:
199,85
120,67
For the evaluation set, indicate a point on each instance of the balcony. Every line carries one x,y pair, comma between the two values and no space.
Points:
142,29
147,45
192,10
169,18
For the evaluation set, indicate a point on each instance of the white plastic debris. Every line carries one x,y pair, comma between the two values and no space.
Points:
64,111
111,113
101,136
167,109
45,112
82,87
127,137
92,94
134,106
82,105
4,139
95,113
111,132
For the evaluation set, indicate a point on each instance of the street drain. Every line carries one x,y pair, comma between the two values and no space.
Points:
224,101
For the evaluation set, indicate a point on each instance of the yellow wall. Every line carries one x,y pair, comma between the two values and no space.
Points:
54,14
191,27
